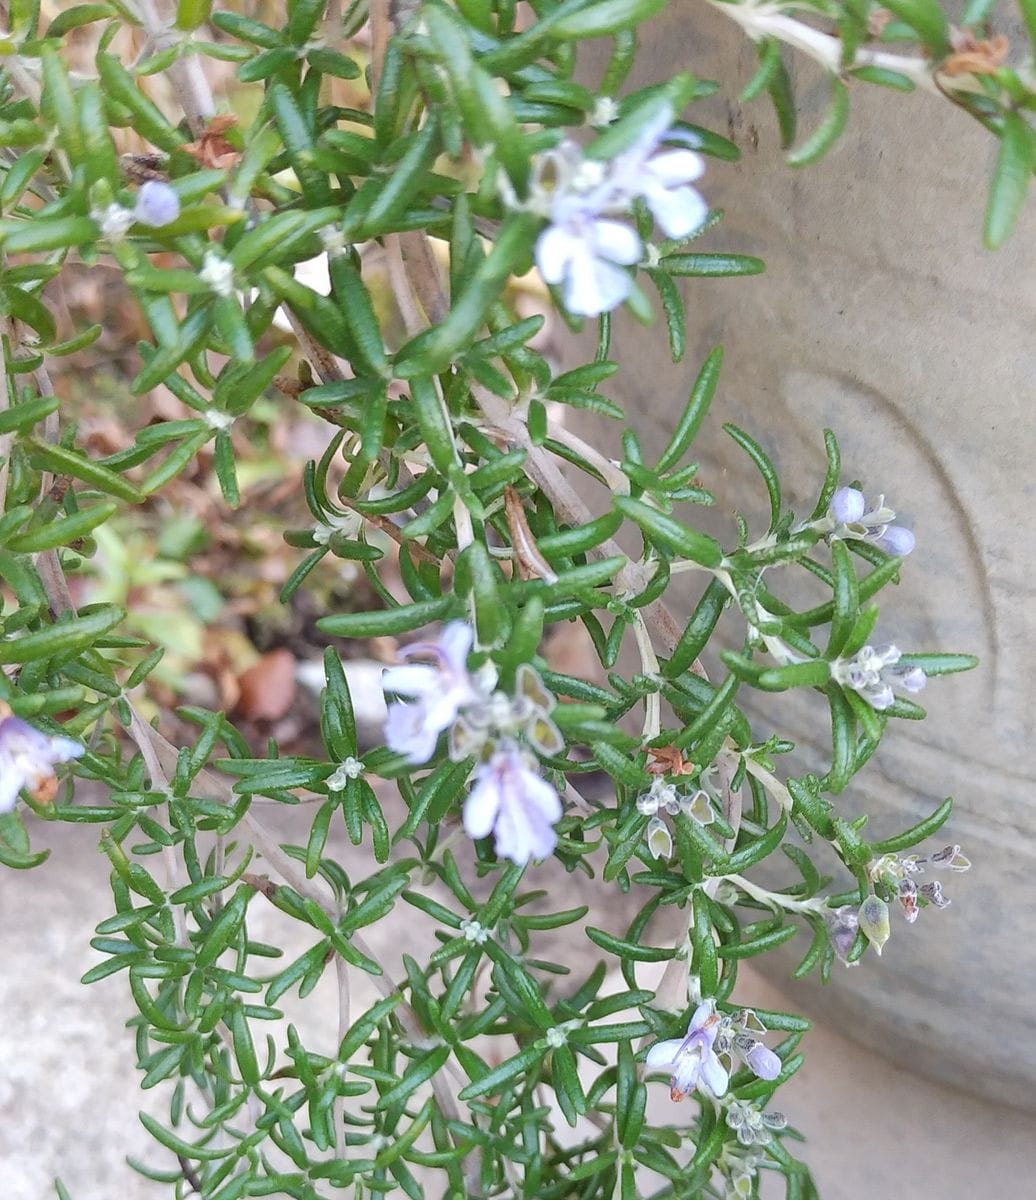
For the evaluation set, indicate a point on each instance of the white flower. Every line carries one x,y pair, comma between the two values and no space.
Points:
873,672
114,221
338,780
218,273
439,693
583,250
515,804
661,178
27,759
585,255
691,1061
659,839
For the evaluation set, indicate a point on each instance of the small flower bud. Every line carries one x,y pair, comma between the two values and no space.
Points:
659,840
847,505
874,921
157,204
842,927
762,1061
950,856
896,540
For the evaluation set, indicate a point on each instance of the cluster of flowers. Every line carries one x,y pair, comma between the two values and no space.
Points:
849,517
583,249
667,797
694,1060
27,760
509,798
893,875
874,671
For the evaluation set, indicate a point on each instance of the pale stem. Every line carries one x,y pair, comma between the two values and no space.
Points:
188,77
770,782
6,439
160,782
462,524
613,478
649,665
767,20
344,1021
814,904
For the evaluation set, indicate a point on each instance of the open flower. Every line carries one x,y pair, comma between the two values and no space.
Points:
691,1061
511,801
27,759
661,178
850,517
874,671
586,255
437,691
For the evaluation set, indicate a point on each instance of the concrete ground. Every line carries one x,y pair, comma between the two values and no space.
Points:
69,1096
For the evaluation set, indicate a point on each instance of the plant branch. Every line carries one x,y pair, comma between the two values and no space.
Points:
768,20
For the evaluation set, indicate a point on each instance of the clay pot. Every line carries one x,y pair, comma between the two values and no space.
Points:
881,317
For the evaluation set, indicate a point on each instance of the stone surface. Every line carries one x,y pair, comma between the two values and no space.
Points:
881,317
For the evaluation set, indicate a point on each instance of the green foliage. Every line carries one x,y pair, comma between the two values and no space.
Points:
424,147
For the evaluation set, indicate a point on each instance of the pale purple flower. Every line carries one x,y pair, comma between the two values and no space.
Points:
760,1059
437,691
661,178
585,252
850,517
842,926
511,801
586,255
27,759
735,1038
874,671
692,1061
157,204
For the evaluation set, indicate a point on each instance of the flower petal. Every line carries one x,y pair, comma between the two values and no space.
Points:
617,242
662,1054
481,808
555,249
713,1074
412,680
847,505
675,167
522,831
63,749
407,732
701,1014
763,1062
678,211
11,783
542,795
455,645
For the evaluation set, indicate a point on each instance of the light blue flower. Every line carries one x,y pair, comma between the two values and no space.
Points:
27,759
